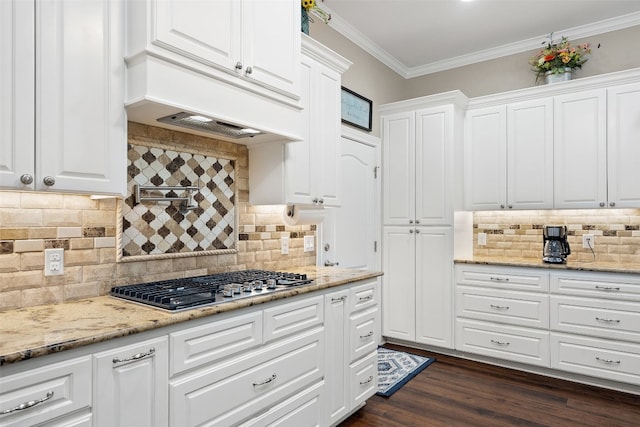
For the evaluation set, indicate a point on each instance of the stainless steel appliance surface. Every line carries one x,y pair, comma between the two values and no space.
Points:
192,292
555,244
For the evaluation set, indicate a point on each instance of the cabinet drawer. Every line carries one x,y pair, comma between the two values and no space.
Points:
61,388
604,318
363,333
596,357
505,342
619,286
214,341
499,305
525,279
230,393
364,379
287,319
303,409
364,296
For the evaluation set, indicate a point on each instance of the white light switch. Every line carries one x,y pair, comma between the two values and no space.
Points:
284,245
53,262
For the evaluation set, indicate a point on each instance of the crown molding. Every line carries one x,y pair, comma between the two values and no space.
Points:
347,30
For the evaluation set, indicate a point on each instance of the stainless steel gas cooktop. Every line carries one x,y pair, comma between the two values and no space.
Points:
192,292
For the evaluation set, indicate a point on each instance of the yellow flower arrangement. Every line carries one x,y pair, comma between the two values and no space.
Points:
556,58
312,8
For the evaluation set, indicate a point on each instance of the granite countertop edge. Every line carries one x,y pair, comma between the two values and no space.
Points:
592,266
38,331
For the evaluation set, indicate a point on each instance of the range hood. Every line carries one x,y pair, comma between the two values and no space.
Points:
202,102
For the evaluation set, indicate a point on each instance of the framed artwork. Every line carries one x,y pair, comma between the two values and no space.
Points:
356,109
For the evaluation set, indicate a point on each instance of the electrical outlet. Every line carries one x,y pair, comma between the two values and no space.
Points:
309,244
284,245
588,241
482,239
53,262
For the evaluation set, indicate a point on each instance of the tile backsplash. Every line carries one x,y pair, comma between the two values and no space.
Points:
519,233
88,230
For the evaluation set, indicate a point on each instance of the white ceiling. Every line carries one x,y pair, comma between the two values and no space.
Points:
418,37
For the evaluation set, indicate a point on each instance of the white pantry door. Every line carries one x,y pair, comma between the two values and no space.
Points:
349,231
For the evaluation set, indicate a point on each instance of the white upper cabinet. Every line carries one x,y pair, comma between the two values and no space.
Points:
509,156
78,139
623,145
254,39
422,144
580,150
305,172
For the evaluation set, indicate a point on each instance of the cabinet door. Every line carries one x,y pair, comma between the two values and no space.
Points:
208,32
80,120
530,155
580,150
398,169
398,290
434,166
271,43
17,69
337,364
485,170
623,149
434,286
131,385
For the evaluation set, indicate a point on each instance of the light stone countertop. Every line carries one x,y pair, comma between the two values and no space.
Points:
37,331
594,266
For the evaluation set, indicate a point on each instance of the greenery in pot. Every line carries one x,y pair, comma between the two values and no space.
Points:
557,57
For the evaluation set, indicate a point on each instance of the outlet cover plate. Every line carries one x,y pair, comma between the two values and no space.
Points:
309,244
53,262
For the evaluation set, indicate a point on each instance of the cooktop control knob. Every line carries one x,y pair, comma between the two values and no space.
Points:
271,283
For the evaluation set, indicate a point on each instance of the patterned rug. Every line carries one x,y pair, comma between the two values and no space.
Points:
396,368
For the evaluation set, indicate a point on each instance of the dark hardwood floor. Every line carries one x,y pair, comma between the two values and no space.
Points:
458,392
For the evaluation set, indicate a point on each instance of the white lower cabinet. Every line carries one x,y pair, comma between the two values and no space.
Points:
351,354
130,385
56,395
582,322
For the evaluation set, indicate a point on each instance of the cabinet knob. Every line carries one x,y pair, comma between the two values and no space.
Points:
315,200
410,221
417,221
602,204
321,201
411,231
238,65
501,206
417,231
249,70
612,204
26,178
510,206
49,181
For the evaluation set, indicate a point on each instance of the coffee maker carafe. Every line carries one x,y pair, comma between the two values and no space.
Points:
555,244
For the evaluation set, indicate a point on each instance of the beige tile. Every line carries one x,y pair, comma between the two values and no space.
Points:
14,233
32,261
43,232
9,263
78,291
68,232
21,280
82,243
36,200
10,300
21,217
92,273
81,257
62,218
9,199
28,245
80,202
99,218
107,256
51,295
105,242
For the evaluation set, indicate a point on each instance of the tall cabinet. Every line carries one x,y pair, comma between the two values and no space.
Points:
422,187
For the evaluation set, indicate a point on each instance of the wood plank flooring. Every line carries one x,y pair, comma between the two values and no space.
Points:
458,392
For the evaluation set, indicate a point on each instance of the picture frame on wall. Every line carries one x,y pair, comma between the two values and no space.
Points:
356,109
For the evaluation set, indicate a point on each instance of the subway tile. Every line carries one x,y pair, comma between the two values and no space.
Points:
104,242
67,232
36,200
21,217
36,245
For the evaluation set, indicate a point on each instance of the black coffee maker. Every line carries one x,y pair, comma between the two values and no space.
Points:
555,244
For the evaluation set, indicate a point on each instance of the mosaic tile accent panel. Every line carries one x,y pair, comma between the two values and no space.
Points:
154,228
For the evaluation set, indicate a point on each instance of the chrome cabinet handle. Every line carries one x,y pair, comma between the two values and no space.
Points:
26,179
496,342
321,201
315,200
608,288
369,335
500,307
249,70
367,298
267,381
328,263
342,298
499,279
608,361
601,319
49,181
367,381
29,404
238,65
136,356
